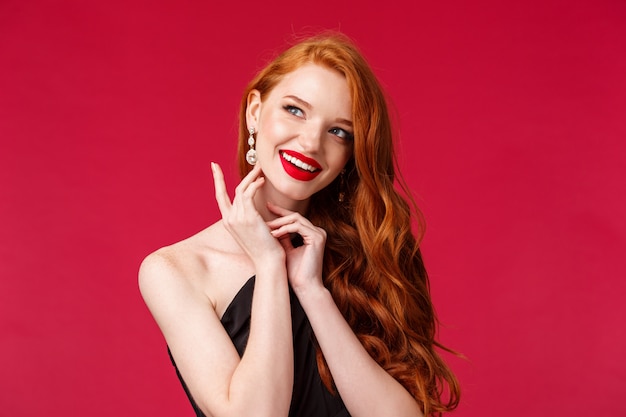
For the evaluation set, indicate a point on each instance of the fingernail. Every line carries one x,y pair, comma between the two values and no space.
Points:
212,166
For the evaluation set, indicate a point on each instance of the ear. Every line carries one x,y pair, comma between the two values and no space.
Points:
253,108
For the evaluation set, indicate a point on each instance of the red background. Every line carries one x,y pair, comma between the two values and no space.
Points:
512,120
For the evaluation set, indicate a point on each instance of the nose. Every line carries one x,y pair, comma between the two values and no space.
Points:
310,139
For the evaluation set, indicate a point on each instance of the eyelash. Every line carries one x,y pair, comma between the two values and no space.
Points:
345,135
337,131
293,110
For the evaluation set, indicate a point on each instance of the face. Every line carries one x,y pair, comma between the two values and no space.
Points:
304,130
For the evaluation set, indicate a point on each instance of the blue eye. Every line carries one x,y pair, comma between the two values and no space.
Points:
341,133
294,110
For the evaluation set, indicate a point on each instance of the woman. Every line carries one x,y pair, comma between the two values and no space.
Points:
336,319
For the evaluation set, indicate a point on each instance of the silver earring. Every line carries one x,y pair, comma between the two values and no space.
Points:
251,155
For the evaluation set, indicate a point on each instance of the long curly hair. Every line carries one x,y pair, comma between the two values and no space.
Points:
372,263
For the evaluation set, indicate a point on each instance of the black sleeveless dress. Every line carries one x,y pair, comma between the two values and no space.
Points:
310,398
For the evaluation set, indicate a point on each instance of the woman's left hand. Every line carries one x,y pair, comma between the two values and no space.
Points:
304,263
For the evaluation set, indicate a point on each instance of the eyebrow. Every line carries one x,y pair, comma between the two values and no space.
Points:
308,105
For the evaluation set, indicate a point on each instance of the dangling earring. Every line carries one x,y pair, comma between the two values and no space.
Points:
342,191
251,155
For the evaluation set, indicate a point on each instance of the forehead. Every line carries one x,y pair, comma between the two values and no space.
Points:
316,83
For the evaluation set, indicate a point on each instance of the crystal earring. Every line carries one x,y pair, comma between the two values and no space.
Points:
251,154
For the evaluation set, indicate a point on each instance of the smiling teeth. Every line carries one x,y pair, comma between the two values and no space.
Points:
297,162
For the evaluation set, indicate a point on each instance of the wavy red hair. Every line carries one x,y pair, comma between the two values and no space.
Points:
373,265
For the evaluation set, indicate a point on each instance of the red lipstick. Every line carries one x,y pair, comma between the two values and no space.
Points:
288,159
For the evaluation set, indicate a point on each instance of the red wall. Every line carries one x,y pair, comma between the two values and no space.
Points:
512,120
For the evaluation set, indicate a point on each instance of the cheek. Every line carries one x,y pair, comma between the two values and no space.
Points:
342,156
271,132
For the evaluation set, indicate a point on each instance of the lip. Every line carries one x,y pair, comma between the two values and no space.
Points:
298,173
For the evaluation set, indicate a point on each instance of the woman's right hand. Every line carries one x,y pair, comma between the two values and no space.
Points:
241,218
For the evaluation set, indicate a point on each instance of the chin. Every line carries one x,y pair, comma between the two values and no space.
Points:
297,196
295,192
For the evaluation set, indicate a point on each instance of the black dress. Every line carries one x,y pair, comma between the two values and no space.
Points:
310,398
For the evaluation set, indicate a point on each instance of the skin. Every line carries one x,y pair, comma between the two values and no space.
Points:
309,112
187,286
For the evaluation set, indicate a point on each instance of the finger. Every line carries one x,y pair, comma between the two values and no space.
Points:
278,209
285,242
221,195
248,179
244,202
279,222
310,234
290,217
285,216
280,233
250,192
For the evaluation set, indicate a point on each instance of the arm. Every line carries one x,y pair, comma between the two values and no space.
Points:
222,384
365,387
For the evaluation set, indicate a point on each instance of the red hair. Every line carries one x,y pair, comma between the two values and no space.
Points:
372,265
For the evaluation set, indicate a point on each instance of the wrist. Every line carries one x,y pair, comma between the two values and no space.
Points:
270,259
312,295
273,264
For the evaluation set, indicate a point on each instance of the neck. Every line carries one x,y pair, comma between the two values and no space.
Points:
268,194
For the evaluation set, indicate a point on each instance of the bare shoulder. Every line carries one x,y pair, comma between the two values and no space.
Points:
165,282
202,268
183,266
